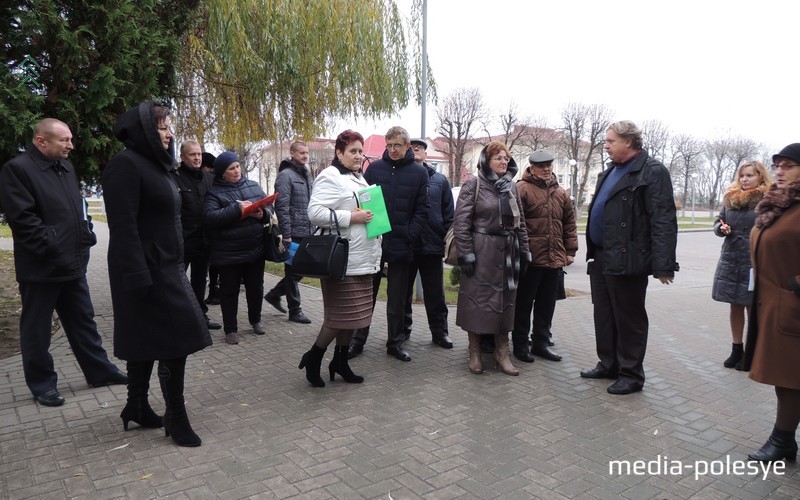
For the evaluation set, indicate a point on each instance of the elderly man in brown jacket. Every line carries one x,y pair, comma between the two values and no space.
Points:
553,242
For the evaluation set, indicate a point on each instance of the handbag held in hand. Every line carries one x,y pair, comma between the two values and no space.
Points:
323,255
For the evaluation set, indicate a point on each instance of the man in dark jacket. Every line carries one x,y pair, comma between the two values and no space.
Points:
631,233
428,251
404,183
194,183
52,231
293,186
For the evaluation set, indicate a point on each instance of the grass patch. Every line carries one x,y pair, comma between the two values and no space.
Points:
5,231
100,218
9,306
450,291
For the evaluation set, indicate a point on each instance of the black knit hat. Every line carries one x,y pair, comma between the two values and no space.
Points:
208,160
792,151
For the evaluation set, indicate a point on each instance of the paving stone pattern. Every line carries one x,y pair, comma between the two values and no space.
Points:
425,429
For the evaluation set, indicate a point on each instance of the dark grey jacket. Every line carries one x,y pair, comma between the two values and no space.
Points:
640,222
293,185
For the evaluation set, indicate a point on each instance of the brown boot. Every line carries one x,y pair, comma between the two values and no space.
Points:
501,354
475,364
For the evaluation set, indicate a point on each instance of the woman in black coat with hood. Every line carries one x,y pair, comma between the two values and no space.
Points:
156,315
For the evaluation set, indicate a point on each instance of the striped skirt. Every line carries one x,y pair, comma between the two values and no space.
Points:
347,303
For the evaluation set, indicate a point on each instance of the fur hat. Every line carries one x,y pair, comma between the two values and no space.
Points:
224,161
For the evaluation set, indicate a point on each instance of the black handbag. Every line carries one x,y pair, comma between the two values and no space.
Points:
274,251
322,255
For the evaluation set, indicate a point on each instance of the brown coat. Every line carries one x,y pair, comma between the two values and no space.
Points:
550,220
773,339
485,302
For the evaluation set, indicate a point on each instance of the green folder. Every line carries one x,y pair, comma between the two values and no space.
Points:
371,198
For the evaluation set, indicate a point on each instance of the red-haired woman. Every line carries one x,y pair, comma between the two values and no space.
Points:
492,245
347,303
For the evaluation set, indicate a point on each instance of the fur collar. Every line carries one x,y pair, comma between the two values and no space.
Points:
744,199
775,202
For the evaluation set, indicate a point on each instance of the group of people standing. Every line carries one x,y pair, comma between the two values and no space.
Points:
512,240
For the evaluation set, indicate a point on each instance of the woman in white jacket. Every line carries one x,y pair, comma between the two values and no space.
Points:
347,303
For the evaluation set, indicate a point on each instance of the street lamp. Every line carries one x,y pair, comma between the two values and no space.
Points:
694,178
572,178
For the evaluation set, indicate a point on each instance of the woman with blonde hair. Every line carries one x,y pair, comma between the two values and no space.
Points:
734,223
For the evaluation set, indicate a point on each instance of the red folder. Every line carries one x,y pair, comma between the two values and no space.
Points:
263,202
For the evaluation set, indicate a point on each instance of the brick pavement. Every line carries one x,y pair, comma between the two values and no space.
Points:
425,429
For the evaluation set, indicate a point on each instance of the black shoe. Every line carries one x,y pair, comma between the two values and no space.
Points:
543,351
399,353
523,355
781,445
299,317
443,341
212,325
622,386
275,302
258,329
354,350
550,342
50,398
737,353
598,372
116,378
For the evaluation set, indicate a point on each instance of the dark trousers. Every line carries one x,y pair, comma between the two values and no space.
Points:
396,292
620,323
431,272
288,286
71,301
198,275
213,277
536,292
230,279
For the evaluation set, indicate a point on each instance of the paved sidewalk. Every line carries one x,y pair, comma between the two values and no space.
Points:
425,429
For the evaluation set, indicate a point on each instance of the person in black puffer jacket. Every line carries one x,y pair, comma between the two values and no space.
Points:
237,247
404,183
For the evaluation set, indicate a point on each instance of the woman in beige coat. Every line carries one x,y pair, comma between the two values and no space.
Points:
492,246
773,338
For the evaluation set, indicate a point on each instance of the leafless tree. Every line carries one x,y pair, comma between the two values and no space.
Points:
584,128
655,136
686,153
459,114
721,161
512,126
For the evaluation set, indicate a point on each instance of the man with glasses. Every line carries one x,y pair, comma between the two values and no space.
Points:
52,230
631,233
404,183
428,251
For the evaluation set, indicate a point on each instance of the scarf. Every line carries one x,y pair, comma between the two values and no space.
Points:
509,211
775,202
742,199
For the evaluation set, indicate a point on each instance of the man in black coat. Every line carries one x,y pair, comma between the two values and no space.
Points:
429,251
631,233
194,183
40,195
293,185
404,183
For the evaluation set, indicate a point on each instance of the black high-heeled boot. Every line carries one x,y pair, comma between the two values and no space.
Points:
780,445
340,365
312,361
737,353
176,422
138,408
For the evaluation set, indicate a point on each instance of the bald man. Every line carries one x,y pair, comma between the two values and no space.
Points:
40,195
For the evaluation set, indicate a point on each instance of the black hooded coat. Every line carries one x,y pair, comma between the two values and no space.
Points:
156,314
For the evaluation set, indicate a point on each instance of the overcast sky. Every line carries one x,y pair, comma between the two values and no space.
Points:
702,67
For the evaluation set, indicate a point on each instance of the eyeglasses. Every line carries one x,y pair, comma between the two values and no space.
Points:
502,158
783,166
395,146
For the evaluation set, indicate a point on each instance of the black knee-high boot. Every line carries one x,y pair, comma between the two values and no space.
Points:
311,361
176,421
138,407
340,365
